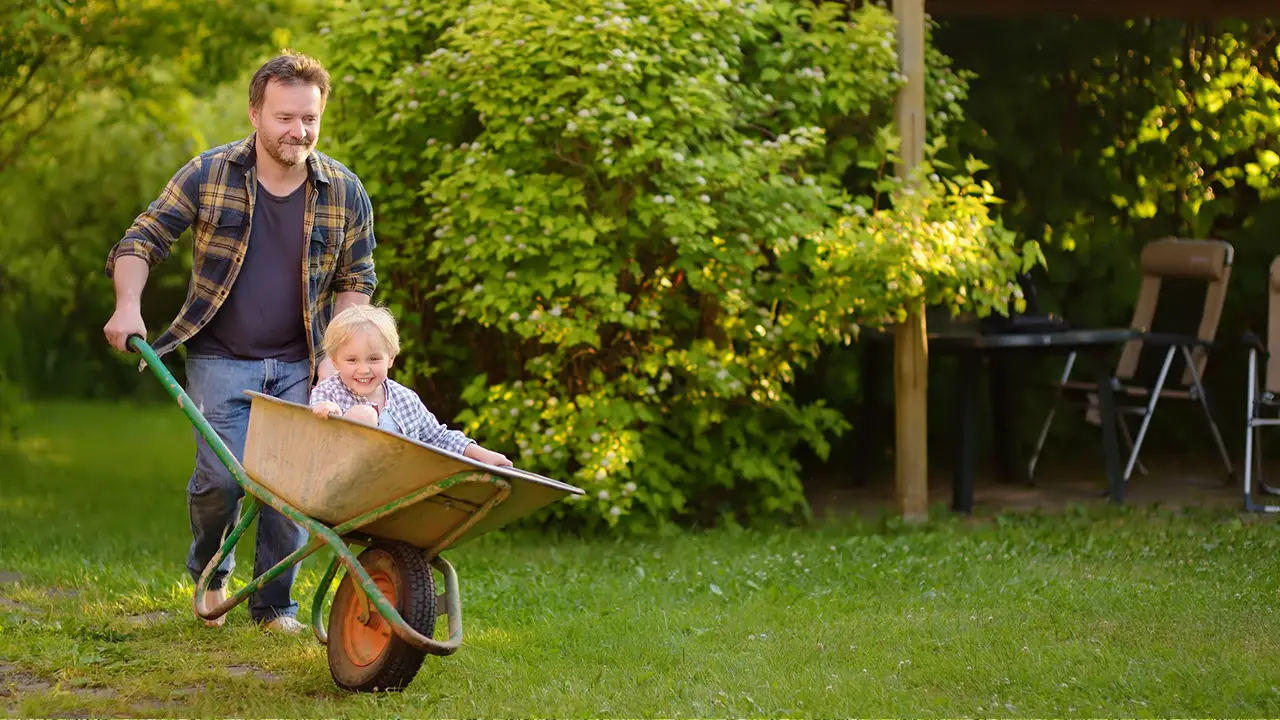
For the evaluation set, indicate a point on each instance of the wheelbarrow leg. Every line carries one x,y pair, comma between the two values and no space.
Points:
257,583
206,577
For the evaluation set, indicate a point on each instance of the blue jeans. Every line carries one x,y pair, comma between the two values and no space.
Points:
216,385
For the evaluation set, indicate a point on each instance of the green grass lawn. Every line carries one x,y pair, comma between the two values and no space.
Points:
1099,613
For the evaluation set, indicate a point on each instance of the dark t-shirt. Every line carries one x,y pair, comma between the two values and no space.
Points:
262,315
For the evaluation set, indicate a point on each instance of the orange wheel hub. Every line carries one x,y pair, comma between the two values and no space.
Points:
364,642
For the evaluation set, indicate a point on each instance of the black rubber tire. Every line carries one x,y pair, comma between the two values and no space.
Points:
398,663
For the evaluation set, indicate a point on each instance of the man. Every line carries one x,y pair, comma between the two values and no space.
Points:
283,239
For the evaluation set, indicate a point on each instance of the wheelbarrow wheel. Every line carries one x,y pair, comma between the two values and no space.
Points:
365,654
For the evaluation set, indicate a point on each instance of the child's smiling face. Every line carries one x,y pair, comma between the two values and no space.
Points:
362,363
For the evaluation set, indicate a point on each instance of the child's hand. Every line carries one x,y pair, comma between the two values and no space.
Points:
326,408
489,457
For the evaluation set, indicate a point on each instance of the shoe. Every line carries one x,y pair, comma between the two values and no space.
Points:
285,625
213,598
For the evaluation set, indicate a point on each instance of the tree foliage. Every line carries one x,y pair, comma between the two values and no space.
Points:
150,51
1151,128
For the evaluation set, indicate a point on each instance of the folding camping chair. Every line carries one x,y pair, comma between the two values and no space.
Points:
1264,404
1184,285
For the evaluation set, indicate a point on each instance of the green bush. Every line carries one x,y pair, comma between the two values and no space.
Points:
606,225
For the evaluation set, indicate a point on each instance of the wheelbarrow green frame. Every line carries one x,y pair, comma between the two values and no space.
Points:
322,535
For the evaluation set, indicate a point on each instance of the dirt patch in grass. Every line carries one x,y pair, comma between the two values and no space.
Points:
10,578
151,707
151,619
17,682
96,693
7,604
243,670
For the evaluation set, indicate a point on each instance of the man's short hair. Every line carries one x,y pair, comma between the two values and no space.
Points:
288,67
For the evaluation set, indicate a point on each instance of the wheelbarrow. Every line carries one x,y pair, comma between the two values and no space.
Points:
401,501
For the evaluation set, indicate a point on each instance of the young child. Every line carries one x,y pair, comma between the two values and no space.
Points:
362,341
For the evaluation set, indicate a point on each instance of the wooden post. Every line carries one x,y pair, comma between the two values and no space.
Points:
911,348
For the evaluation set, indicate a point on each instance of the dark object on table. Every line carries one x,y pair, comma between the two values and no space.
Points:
1028,321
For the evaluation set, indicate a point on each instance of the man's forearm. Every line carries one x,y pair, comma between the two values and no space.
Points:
130,277
344,300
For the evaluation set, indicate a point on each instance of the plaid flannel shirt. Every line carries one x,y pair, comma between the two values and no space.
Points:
214,195
405,407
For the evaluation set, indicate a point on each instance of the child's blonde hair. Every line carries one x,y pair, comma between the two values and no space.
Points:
378,321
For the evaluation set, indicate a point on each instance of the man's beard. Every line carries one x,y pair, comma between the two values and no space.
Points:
278,148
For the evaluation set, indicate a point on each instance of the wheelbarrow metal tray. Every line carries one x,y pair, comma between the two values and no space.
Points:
335,470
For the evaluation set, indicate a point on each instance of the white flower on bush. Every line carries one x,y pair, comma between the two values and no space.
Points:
615,511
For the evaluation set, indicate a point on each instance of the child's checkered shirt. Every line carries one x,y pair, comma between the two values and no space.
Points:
405,407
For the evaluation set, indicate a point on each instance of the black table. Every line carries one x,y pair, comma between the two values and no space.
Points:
970,346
